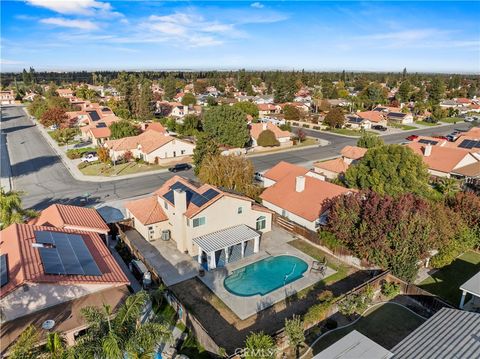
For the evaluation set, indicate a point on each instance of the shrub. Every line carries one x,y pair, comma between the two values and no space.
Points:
464,240
316,313
305,126
128,156
267,139
316,127
325,296
390,289
75,153
329,240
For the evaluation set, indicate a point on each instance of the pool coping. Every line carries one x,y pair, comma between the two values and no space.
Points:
300,275
245,307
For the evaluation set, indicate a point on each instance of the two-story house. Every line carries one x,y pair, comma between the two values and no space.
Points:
211,224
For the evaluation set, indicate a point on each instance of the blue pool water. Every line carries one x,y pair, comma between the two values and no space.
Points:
264,276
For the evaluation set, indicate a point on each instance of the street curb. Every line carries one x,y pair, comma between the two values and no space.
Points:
284,150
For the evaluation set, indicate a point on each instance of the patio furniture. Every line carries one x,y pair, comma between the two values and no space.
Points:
319,266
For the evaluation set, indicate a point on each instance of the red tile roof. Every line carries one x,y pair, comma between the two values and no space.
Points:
257,128
147,210
372,116
156,126
337,165
148,140
266,107
82,218
102,132
353,152
25,264
442,159
308,204
283,169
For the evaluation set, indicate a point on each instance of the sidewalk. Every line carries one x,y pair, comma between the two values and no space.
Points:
5,169
73,169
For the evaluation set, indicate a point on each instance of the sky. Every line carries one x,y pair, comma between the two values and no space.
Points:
63,35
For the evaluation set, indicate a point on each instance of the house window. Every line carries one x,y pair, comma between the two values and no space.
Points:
239,210
198,222
261,223
182,152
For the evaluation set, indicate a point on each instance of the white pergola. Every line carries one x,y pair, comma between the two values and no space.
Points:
223,240
471,286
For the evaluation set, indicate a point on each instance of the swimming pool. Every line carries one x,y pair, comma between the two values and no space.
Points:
265,276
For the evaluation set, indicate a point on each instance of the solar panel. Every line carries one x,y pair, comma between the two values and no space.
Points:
427,142
469,144
94,115
198,200
169,197
101,125
192,196
67,255
4,270
210,194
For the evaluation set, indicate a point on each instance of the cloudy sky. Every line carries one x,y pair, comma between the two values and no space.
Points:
94,34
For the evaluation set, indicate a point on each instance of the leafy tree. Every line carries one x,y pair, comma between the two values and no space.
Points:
232,172
267,139
192,124
295,332
212,101
11,210
37,107
284,90
206,146
334,118
291,113
25,346
259,345
436,91
369,140
249,108
227,125
404,91
189,99
123,129
54,116
472,90
121,335
448,186
169,88
373,94
144,102
64,135
200,86
103,154
85,93
55,347
300,135
389,169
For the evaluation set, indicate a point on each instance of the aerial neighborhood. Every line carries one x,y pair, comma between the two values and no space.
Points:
150,211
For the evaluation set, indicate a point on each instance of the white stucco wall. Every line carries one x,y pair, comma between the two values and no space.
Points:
291,216
34,297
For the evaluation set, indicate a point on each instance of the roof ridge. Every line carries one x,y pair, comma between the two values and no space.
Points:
59,212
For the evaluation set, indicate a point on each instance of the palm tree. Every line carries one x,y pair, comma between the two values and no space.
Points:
11,210
115,336
54,347
25,346
448,186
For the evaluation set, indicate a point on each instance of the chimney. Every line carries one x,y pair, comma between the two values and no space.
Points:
264,126
180,201
299,183
427,151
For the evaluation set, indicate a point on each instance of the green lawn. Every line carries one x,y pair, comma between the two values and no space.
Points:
102,169
386,325
451,119
446,281
426,123
402,127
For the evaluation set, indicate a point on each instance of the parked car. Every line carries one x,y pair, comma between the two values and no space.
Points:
452,137
379,128
411,138
90,157
180,167
53,127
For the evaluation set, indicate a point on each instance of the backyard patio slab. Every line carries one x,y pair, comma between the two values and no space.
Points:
274,243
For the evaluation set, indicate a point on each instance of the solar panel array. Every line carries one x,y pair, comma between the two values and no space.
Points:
65,253
101,125
4,270
192,196
427,142
469,144
94,115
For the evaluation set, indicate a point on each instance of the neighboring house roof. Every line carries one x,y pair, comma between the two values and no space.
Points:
283,169
471,170
156,126
354,345
337,165
353,152
463,100
257,128
448,334
100,132
61,215
193,189
372,116
472,285
266,107
309,203
148,140
147,210
443,159
25,264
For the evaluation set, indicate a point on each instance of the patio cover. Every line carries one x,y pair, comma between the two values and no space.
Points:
225,238
472,285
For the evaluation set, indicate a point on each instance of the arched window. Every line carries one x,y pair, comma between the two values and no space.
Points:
261,223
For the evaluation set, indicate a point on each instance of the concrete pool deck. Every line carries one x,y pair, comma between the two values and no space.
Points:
274,243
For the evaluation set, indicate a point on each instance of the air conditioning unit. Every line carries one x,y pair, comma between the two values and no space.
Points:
166,235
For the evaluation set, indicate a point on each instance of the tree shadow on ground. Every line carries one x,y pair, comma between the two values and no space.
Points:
33,165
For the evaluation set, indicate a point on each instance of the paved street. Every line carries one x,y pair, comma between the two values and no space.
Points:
37,170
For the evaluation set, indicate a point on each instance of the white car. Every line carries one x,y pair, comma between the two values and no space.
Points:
90,158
